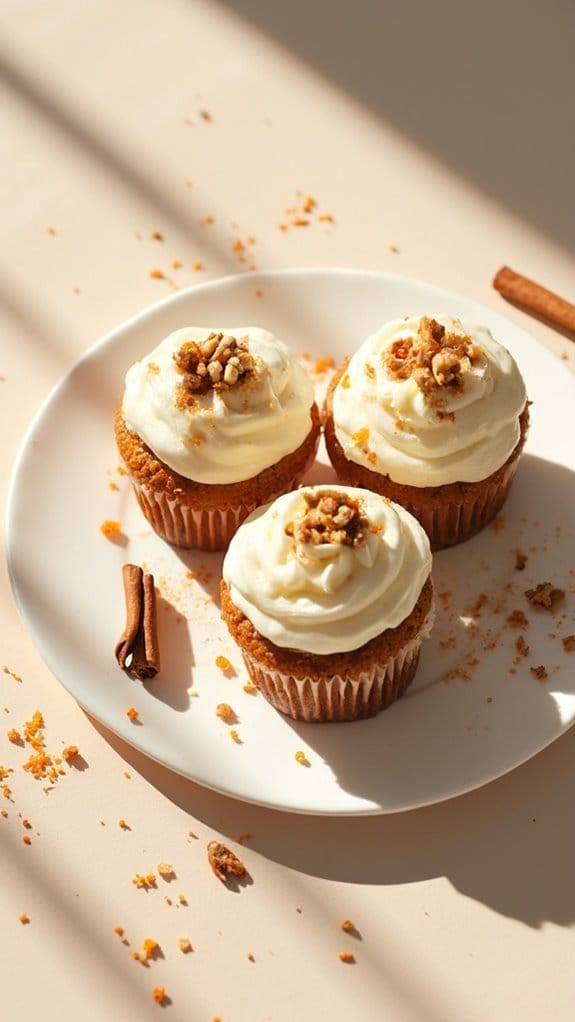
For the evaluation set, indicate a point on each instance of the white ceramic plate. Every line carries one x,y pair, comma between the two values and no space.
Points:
471,714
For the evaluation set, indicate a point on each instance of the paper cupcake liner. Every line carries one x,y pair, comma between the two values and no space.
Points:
196,528
456,522
342,697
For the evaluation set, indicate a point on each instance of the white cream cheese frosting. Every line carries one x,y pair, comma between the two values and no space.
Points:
331,597
227,435
458,434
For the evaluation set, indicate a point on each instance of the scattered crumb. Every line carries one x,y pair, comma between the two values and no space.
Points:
223,861
517,619
205,115
520,560
120,931
133,714
166,871
497,525
347,957
14,736
70,752
185,945
223,663
347,926
159,995
393,248
300,757
177,264
245,837
539,672
545,596
569,643
24,918
123,825
156,274
249,687
110,529
145,881
225,712
113,486
156,236
235,737
489,699
250,957
197,266
258,293
298,909
51,231
27,839
521,646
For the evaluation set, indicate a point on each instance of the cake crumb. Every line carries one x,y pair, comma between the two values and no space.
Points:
133,714
24,918
250,957
347,957
249,687
245,837
111,529
185,945
119,930
545,596
235,737
300,757
166,871
159,995
347,926
520,560
223,861
225,712
569,643
70,752
539,672
517,619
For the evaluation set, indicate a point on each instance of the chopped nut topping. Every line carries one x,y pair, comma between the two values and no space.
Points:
217,363
436,359
330,517
544,595
223,862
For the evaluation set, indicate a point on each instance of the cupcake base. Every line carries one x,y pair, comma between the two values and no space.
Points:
450,514
199,515
341,697
333,687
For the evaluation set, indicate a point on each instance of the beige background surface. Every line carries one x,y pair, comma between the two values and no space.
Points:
439,137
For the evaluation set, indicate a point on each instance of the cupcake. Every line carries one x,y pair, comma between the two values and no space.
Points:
432,413
328,594
211,425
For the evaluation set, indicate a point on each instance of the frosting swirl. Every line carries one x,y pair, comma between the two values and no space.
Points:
455,421
329,595
222,434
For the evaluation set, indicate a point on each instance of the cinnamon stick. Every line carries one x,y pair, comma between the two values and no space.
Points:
535,298
137,649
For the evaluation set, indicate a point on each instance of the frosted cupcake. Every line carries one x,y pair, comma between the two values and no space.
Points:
328,593
211,425
432,413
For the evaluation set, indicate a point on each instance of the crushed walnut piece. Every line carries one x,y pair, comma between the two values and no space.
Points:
223,862
217,363
437,359
330,517
545,596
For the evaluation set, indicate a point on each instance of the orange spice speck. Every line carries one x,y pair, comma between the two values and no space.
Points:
308,204
300,221
223,663
110,528
326,218
322,364
177,264
224,712
360,437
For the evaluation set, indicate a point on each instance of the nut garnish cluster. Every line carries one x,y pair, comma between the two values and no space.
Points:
435,358
217,363
330,517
